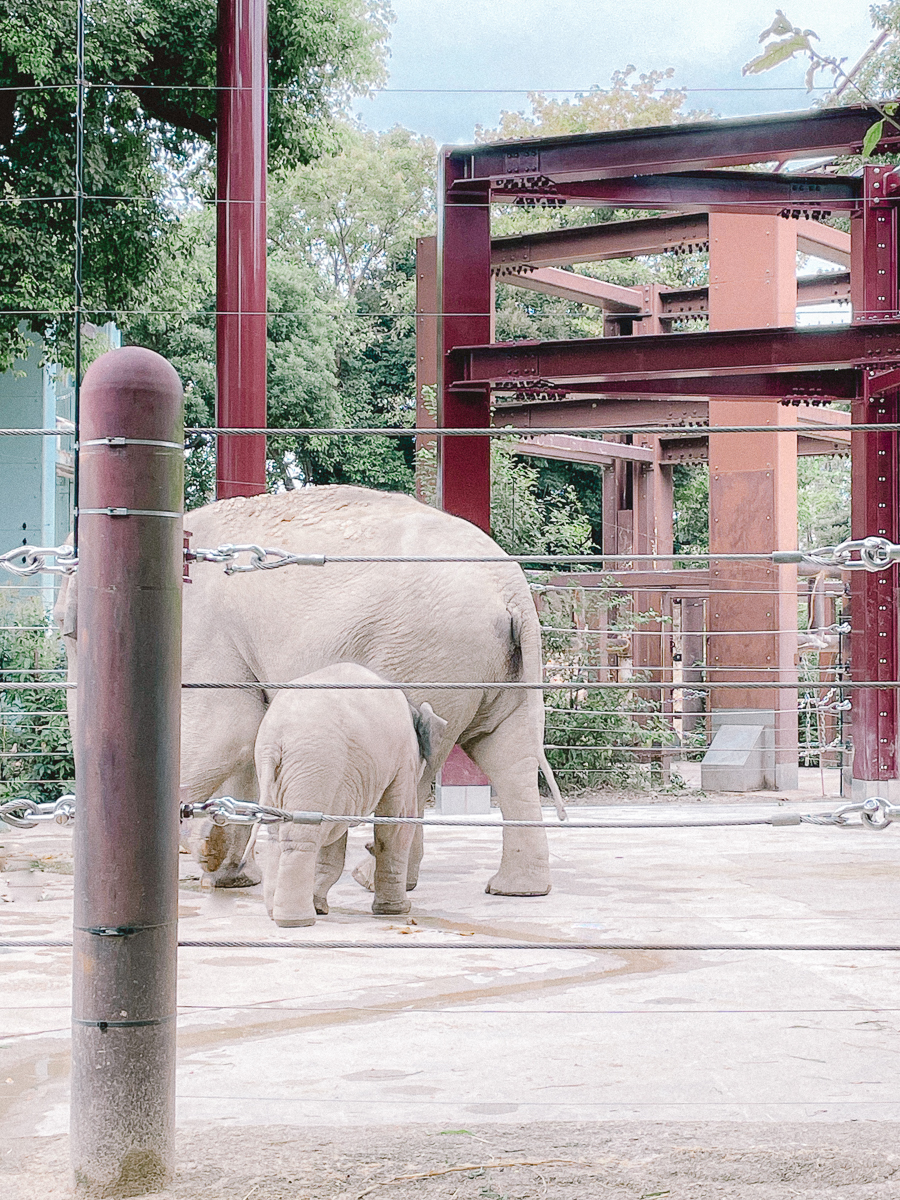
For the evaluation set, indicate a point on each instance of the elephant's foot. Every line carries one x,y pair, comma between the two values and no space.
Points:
321,905
294,922
412,878
364,874
519,883
390,908
247,874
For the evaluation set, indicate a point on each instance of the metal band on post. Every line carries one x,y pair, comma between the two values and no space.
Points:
127,764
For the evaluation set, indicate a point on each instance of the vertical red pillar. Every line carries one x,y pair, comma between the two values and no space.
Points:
465,295
241,245
426,364
874,601
753,503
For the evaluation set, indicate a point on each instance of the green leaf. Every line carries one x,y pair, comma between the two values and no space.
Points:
777,53
872,138
778,27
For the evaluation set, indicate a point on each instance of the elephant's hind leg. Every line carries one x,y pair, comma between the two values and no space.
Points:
507,757
392,845
292,902
329,868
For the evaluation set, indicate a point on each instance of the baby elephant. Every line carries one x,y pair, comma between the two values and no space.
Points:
347,753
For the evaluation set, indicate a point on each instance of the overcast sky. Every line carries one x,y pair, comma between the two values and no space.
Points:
452,62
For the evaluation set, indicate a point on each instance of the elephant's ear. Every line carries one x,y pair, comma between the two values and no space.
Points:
65,610
430,729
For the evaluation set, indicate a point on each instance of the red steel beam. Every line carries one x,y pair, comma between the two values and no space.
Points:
583,289
699,146
816,386
596,243
241,245
677,303
823,241
644,235
582,449
713,191
601,413
673,356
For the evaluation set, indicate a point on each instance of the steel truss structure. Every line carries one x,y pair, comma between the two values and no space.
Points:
753,367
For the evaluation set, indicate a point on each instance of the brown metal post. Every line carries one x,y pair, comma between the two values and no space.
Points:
127,766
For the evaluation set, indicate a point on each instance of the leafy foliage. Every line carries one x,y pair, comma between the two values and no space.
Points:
31,722
878,67
823,501
528,517
691,508
139,118
341,329
628,103
180,324
356,211
602,737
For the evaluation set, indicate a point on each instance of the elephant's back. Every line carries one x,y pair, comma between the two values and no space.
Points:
406,621
336,519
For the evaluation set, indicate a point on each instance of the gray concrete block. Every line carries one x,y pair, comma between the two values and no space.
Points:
468,800
735,760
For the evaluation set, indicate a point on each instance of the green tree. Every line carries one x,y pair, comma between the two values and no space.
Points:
35,743
301,339
823,501
341,299
356,211
150,110
627,104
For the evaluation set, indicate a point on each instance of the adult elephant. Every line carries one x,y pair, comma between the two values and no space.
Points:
410,622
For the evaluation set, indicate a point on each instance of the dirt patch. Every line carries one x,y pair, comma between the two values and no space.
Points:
615,1161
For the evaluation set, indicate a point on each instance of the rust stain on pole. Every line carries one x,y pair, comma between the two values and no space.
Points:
127,766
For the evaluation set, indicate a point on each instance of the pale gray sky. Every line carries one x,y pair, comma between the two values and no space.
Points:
481,46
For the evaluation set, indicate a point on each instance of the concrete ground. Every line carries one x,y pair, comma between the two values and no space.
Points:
478,1039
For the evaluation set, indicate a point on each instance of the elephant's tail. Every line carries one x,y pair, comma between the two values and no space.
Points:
547,772
526,632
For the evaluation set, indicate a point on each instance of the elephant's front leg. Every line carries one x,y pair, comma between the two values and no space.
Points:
525,864
270,873
292,902
238,868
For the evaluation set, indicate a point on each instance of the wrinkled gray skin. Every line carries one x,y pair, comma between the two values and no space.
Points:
428,622
344,753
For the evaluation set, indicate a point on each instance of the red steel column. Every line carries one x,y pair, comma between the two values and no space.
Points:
874,600
426,364
241,245
753,495
127,762
465,293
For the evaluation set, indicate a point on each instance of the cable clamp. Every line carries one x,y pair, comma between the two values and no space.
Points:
126,441
35,560
127,512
